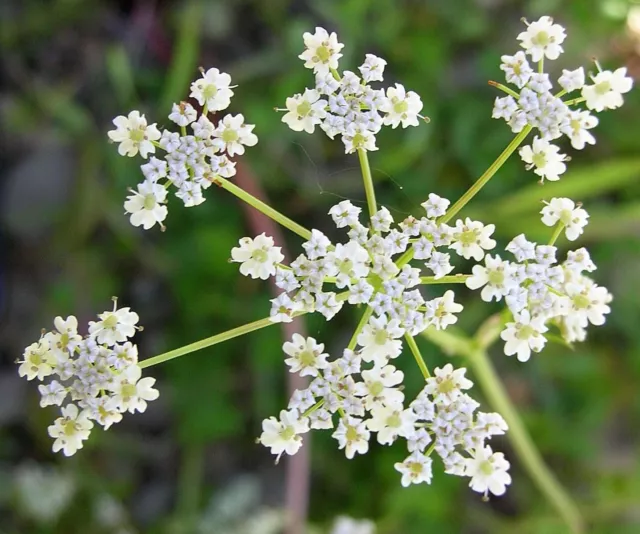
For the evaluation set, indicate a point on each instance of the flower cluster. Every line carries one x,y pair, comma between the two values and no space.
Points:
98,375
363,390
540,292
347,105
365,267
534,105
192,161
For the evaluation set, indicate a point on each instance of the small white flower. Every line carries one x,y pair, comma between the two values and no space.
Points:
183,114
65,339
53,394
70,430
328,305
345,214
380,340
436,206
284,436
305,111
114,326
382,220
372,69
146,205
543,39
504,108
350,262
378,386
401,107
415,469
472,238
131,392
516,69
283,308
258,256
390,422
134,135
306,355
326,84
358,136
607,89
496,277
564,210
212,90
322,51
524,335
352,436
572,80
232,135
545,158
439,263
488,471
317,246
105,411
576,128
440,311
154,169
447,384
589,302
521,248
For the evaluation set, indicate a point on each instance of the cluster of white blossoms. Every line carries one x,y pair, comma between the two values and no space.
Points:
95,378
535,105
541,292
362,392
194,156
365,268
346,104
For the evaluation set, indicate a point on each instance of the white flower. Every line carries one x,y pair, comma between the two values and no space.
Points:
496,277
472,238
328,305
607,89
306,356
440,311
131,392
38,361
415,469
488,471
352,436
439,264
504,108
258,256
232,135
524,335
372,69
53,394
378,386
70,430
435,206
390,422
154,169
212,90
183,114
521,248
358,136
545,158
322,51
305,111
146,205
379,340
576,126
65,339
345,214
564,210
317,246
350,262
134,135
447,384
401,107
516,69
105,411
284,435
283,309
572,80
114,326
589,302
543,39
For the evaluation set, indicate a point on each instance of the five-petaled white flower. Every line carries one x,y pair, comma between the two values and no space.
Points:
545,158
232,135
258,256
524,335
284,435
305,111
564,210
306,355
114,326
131,392
607,89
70,430
213,90
322,51
488,471
543,39
401,107
415,469
147,205
134,135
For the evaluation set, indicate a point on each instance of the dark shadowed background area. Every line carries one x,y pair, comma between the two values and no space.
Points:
190,463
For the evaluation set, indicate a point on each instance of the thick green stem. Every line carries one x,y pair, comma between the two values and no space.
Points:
262,207
556,233
368,182
413,346
451,279
522,443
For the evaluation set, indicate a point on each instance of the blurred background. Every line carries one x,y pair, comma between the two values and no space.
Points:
190,463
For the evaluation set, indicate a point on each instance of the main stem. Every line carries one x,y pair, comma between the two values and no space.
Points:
262,207
522,442
368,182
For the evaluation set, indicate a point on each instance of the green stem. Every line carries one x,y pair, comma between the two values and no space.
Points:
262,207
363,321
368,182
556,233
452,279
575,101
488,174
413,346
208,342
504,88
313,408
522,442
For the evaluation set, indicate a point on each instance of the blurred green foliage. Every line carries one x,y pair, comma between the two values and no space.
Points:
71,66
